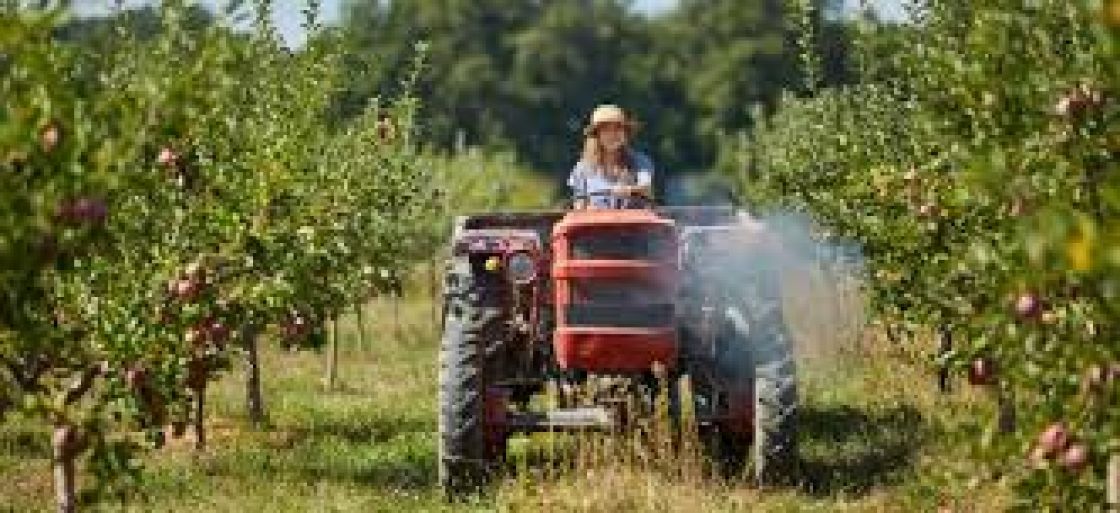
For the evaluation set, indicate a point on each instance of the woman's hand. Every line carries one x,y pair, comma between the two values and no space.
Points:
630,190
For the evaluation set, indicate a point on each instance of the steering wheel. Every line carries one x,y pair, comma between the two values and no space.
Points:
637,201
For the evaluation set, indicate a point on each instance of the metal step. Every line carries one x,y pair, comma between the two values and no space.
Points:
566,419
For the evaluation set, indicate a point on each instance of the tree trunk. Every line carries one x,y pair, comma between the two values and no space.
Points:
332,356
64,485
200,419
1005,416
359,310
944,346
1113,483
254,403
65,445
396,299
433,291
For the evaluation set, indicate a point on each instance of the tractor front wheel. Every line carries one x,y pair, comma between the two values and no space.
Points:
471,440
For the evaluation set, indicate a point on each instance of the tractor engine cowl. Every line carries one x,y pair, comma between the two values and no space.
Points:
615,282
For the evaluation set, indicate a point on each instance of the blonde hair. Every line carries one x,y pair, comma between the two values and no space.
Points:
595,156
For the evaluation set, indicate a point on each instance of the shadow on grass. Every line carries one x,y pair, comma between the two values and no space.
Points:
849,450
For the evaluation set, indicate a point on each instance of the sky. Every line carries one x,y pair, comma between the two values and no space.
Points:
288,17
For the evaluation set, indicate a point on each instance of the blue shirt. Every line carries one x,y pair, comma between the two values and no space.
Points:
588,182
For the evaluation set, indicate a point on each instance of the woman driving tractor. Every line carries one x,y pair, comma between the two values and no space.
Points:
611,174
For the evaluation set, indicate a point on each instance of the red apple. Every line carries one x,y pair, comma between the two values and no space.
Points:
1078,101
185,289
167,157
90,210
1075,457
1028,306
295,326
49,137
218,332
1053,439
136,377
982,372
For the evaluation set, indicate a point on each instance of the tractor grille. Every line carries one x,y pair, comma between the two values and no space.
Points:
619,245
655,315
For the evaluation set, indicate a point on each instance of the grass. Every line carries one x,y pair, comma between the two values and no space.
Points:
874,438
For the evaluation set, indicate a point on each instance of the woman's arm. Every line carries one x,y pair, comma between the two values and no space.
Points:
577,182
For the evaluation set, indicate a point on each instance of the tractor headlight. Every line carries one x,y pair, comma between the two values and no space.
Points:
521,268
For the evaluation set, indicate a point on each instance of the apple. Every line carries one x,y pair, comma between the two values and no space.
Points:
185,289
218,332
49,137
83,210
1028,306
1053,439
295,326
982,372
1078,101
167,157
136,377
90,210
1075,457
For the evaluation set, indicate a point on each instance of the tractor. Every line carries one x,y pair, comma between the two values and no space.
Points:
547,302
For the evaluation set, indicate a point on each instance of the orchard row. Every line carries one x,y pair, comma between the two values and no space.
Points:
977,165
166,201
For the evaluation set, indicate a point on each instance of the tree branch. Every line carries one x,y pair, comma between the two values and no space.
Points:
80,386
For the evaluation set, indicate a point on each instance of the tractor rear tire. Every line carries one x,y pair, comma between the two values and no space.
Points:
472,323
774,440
755,357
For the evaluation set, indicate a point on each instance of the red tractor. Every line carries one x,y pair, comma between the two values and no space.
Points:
552,301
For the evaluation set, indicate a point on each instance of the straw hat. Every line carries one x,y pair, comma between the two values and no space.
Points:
609,114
